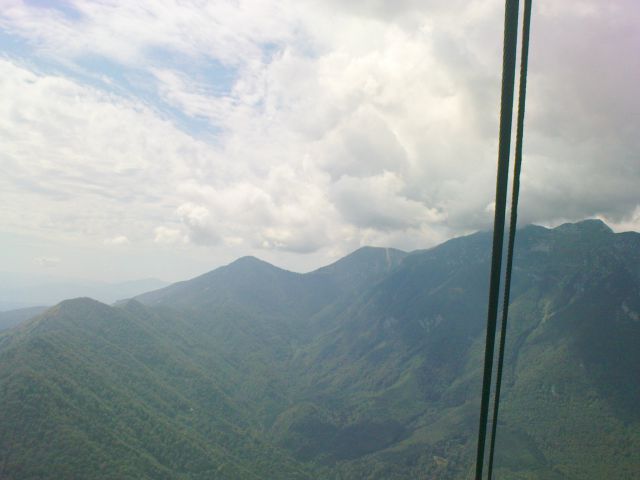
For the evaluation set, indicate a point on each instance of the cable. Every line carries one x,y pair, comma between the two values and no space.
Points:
504,145
522,93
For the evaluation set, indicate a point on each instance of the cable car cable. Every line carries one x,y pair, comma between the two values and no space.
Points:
517,168
504,145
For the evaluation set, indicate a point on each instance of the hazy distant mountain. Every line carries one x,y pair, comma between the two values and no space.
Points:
367,368
252,284
22,290
11,318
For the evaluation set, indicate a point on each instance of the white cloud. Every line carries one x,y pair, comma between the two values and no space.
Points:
231,32
285,209
117,241
338,123
628,223
197,219
81,163
378,202
47,262
168,236
192,98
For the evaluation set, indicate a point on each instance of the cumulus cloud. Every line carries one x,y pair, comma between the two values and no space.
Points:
302,126
628,222
583,150
168,236
284,210
199,223
378,202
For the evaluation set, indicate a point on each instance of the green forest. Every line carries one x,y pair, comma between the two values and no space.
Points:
369,368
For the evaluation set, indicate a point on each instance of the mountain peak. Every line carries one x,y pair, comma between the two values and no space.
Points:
250,264
369,250
589,226
80,303
249,260
132,305
67,312
75,307
379,258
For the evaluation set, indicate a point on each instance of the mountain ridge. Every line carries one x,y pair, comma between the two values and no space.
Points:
298,375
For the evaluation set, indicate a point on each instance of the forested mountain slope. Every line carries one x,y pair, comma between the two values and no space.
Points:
407,355
11,318
367,368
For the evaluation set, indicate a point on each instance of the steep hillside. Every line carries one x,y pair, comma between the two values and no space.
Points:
91,391
369,368
257,315
405,360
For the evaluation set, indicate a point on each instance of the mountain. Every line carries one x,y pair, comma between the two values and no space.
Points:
11,318
367,368
253,285
257,314
91,391
24,290
406,357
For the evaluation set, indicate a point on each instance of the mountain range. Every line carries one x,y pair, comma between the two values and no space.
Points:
369,368
19,291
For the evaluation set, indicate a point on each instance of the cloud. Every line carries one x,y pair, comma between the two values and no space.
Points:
192,98
289,126
283,210
168,236
231,32
583,159
117,241
47,262
83,162
630,222
377,202
199,223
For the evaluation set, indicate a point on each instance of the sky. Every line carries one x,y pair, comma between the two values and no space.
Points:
166,138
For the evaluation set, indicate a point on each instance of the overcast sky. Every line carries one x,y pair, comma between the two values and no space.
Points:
165,138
